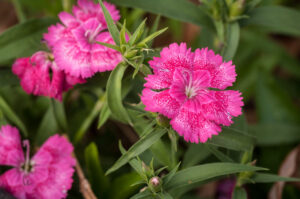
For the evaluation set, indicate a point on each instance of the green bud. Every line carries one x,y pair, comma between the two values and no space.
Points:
130,54
236,8
155,184
162,120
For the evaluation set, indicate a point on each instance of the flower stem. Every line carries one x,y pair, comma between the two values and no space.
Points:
19,11
66,5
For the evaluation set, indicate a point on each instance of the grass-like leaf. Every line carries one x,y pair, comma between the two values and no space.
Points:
139,147
112,27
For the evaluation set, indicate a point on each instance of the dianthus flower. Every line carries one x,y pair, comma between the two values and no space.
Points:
74,43
187,87
47,175
40,75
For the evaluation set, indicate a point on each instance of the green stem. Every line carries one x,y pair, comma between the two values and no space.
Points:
19,11
67,5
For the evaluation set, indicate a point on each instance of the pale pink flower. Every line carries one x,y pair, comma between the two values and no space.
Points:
74,43
47,175
40,75
181,89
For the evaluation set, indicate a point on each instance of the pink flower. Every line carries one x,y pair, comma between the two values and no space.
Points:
40,75
180,90
47,175
74,43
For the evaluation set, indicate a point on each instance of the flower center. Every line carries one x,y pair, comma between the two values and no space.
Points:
92,34
27,166
190,91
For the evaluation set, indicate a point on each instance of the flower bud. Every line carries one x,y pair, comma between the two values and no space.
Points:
162,120
130,54
236,8
155,184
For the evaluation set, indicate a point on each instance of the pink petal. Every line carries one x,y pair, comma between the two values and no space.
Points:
161,102
54,34
222,73
193,126
227,104
68,20
11,152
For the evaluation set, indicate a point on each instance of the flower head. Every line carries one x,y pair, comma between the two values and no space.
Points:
47,175
40,75
74,43
181,89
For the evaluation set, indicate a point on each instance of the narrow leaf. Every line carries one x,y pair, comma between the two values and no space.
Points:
137,33
23,39
60,115
110,24
139,147
232,41
151,37
114,94
96,176
117,48
182,10
206,171
12,116
88,121
270,178
220,155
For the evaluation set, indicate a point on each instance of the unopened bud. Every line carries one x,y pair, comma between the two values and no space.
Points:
237,8
155,183
162,120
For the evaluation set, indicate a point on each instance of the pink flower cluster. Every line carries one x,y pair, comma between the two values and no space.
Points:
75,54
187,87
47,175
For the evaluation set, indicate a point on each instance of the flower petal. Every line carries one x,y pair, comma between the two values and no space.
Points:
193,126
11,152
222,73
161,102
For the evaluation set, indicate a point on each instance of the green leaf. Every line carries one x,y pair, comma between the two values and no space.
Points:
232,41
220,155
104,115
151,37
96,176
110,24
7,78
233,139
88,120
181,10
9,113
137,33
165,195
276,19
139,147
47,128
123,33
143,195
122,186
204,172
239,193
117,48
60,115
195,154
167,178
114,94
275,133
23,39
270,178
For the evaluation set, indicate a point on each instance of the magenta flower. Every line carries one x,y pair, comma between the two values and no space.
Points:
40,75
187,87
74,43
47,175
